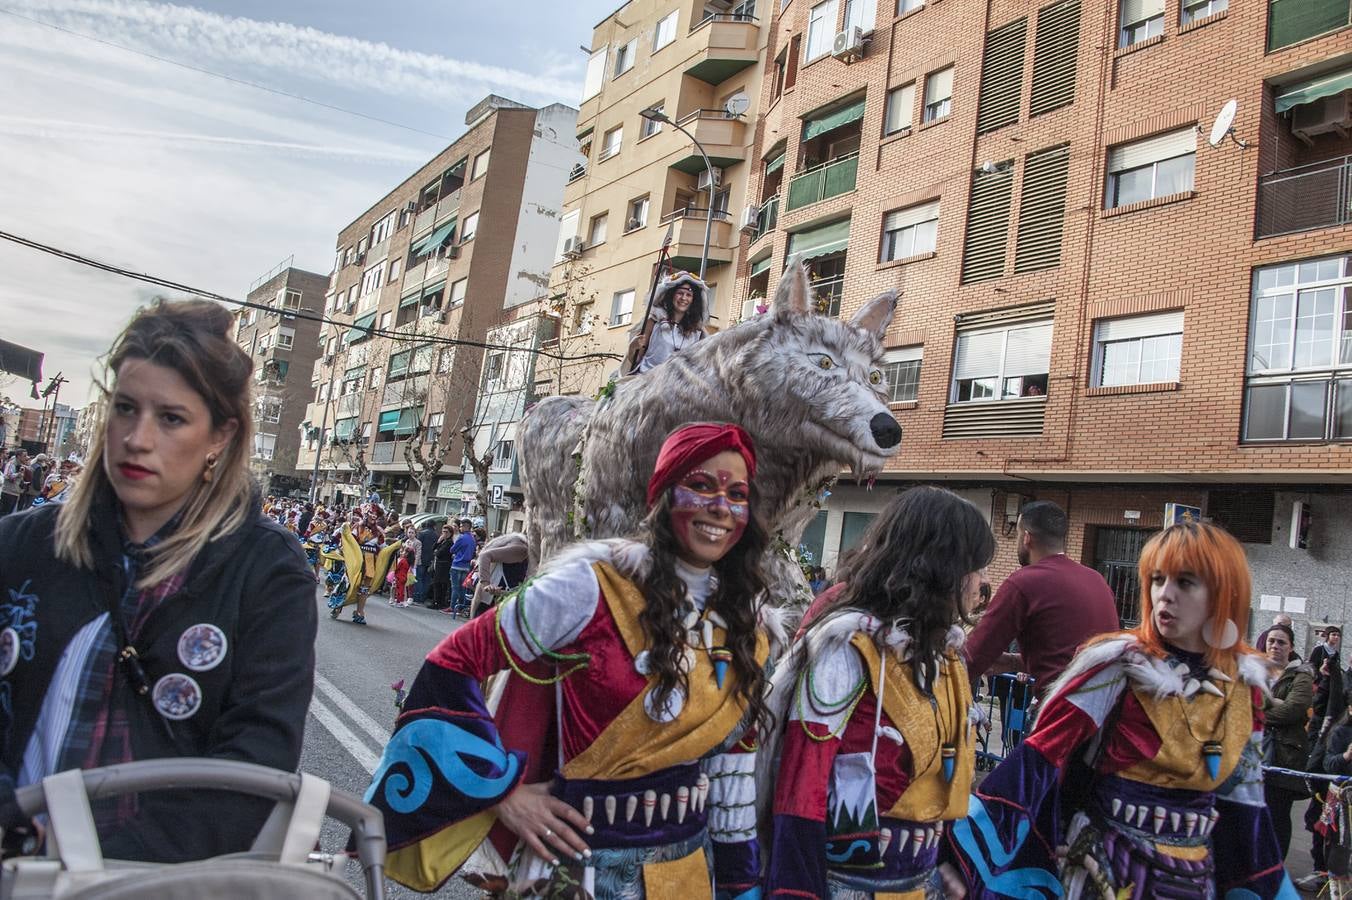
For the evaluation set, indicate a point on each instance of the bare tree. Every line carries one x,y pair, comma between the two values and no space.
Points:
573,303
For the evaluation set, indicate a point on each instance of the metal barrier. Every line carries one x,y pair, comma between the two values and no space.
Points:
1013,697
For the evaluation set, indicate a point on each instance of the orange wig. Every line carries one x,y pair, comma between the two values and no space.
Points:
1211,554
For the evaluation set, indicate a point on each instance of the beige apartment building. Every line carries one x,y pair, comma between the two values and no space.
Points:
454,250
284,350
699,63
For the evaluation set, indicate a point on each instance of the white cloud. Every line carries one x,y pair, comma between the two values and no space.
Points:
204,37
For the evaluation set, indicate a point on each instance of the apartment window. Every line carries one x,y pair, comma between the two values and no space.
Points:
901,368
468,227
567,232
457,295
622,307
666,30
348,256
1138,349
264,342
900,105
596,232
396,266
265,445
382,229
502,456
861,14
291,300
638,214
938,94
910,231
1293,21
610,143
328,346
373,278
493,366
386,320
647,127
1141,20
582,318
596,73
624,57
905,6
1200,9
1002,363
269,411
362,245
375,379
821,29
286,338
433,430
1299,384
1155,167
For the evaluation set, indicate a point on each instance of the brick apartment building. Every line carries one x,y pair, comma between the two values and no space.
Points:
700,63
1099,307
458,247
284,348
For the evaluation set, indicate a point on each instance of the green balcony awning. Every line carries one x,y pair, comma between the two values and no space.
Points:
388,420
775,164
360,329
820,241
344,428
1315,89
435,239
760,265
409,300
824,122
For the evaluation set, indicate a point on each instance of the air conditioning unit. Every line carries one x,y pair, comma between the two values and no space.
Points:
359,258
750,215
453,251
411,206
849,44
710,178
573,247
749,308
1330,115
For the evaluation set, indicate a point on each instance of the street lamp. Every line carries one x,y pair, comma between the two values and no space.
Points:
656,115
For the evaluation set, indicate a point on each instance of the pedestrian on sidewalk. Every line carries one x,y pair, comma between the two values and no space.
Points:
441,572
427,541
161,551
1285,711
462,556
11,487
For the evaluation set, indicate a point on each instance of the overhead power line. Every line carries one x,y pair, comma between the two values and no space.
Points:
71,256
221,75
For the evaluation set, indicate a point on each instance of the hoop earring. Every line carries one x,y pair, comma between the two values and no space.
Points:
1228,637
209,473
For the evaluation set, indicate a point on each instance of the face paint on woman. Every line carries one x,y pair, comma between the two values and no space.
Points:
710,508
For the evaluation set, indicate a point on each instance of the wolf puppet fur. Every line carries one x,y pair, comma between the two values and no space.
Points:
807,387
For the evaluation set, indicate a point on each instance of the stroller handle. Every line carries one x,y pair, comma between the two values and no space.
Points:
366,822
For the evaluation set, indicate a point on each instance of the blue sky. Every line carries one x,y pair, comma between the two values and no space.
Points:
163,170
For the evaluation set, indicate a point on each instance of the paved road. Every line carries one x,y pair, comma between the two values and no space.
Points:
353,710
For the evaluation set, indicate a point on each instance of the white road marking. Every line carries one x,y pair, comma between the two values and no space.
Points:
354,712
341,733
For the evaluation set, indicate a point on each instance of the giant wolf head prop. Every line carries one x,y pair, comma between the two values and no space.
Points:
808,388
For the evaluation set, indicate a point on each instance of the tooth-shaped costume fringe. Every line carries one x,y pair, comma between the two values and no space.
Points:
1117,774
668,791
862,797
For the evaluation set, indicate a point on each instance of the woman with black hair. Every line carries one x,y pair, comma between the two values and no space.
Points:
634,681
676,321
865,785
1285,711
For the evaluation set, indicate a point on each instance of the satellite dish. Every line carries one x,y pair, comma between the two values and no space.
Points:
737,105
1224,124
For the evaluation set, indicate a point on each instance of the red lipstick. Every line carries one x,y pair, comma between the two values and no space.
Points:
134,472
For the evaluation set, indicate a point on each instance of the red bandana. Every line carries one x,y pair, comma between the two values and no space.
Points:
690,445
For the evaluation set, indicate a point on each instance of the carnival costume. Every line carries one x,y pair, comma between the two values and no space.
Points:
667,338
668,788
1143,777
365,562
866,788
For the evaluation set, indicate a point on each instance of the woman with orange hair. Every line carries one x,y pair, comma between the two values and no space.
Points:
1143,776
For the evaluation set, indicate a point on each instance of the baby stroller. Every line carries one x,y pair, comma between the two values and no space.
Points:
279,865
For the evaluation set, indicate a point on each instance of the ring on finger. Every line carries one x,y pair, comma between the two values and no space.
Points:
549,832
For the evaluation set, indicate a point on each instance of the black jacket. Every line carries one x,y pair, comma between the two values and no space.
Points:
443,557
254,585
1332,750
428,538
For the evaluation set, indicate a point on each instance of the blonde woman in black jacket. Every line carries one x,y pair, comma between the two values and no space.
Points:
162,549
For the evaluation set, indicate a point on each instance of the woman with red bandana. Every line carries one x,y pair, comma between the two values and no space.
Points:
620,762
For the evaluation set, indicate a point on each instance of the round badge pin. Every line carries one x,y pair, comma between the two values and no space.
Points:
9,651
177,696
671,709
202,647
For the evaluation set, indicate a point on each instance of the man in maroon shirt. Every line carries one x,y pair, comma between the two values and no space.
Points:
1050,606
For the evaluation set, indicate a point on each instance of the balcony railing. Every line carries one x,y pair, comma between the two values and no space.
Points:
1318,195
577,172
766,219
827,293
822,182
382,452
722,17
693,212
347,405
702,113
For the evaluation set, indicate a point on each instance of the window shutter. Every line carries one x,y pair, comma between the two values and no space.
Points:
1055,56
1134,327
939,85
978,355
1028,351
1042,210
596,71
904,354
911,215
900,107
1292,21
1140,10
1150,150
983,254
1001,77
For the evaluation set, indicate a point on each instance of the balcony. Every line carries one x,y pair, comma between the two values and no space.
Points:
347,406
721,46
440,211
1318,195
723,138
424,273
766,219
385,453
823,182
687,240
